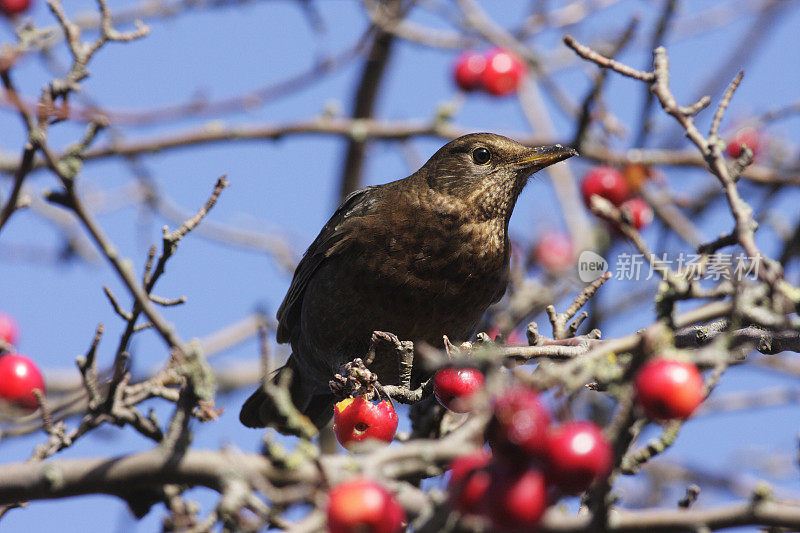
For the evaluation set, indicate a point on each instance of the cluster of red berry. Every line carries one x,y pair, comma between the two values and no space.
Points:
531,463
360,424
619,189
498,72
363,504
555,251
19,376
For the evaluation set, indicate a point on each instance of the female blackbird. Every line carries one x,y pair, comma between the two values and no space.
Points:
419,257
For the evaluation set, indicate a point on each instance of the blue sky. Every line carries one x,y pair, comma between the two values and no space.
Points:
289,187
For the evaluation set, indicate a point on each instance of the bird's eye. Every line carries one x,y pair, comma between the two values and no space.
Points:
481,156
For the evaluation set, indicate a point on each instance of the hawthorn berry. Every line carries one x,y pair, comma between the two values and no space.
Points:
468,70
519,424
469,480
516,497
668,389
19,376
453,387
357,420
363,506
14,7
503,72
641,214
577,455
747,135
607,182
555,252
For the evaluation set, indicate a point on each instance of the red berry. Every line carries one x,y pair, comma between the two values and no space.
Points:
8,329
669,389
14,7
607,182
503,73
747,135
555,252
519,425
469,479
453,387
468,70
363,506
357,421
19,376
578,455
516,497
641,214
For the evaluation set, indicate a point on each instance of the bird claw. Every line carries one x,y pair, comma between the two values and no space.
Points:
353,379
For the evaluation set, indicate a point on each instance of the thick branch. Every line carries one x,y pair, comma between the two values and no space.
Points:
366,94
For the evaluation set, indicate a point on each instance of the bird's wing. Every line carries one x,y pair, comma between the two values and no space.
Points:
330,241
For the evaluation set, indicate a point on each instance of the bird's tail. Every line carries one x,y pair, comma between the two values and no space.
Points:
260,410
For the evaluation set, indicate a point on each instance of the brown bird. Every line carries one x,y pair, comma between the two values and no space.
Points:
419,257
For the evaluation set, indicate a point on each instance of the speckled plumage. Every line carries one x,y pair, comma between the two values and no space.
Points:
420,257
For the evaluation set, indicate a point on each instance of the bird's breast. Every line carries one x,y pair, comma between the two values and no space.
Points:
437,255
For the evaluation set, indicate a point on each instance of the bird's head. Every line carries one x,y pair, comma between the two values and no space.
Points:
488,171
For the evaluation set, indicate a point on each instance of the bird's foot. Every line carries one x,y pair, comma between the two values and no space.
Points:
354,379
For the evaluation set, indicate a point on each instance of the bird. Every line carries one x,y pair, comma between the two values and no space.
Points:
420,257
